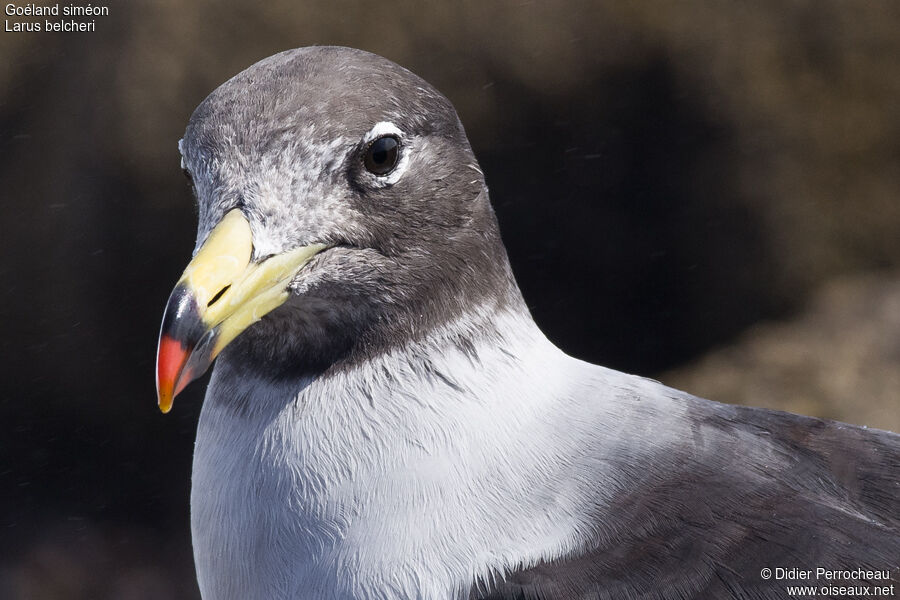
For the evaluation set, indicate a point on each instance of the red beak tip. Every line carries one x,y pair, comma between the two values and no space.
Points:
170,363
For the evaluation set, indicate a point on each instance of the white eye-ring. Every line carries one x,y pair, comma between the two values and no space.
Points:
385,155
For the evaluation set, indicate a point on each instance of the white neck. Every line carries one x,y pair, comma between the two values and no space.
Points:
407,477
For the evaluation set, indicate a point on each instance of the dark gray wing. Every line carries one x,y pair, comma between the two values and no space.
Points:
706,529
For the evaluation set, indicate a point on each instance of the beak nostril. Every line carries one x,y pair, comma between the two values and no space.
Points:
218,295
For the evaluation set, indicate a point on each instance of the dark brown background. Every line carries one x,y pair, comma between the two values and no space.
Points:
700,191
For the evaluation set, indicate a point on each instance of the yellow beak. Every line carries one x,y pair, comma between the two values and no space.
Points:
220,294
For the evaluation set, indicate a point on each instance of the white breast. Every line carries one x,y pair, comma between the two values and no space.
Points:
408,477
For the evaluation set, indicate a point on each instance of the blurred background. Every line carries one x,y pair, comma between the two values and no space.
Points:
702,192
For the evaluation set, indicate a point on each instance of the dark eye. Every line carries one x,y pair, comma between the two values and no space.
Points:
382,155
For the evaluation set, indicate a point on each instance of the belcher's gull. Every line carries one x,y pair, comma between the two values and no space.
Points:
386,421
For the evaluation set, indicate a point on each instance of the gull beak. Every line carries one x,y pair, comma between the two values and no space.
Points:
220,294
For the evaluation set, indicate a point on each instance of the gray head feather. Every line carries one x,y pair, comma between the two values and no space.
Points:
284,141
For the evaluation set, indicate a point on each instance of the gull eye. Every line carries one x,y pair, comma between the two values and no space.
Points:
382,155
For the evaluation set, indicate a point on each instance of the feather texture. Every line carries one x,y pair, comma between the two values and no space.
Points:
401,429
503,468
